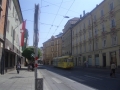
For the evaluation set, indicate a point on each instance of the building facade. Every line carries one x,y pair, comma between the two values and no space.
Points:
67,37
13,48
95,38
52,48
3,12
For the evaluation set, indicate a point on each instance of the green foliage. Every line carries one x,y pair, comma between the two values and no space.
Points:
28,51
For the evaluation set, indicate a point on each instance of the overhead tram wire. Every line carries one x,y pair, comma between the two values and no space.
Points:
42,23
61,7
64,15
55,17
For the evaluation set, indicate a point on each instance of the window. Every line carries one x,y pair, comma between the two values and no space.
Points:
80,38
102,13
89,22
90,34
80,49
13,11
0,7
112,23
96,45
103,28
17,40
111,6
84,25
11,30
85,48
104,43
8,23
95,31
9,3
73,33
114,40
90,47
84,37
94,17
14,33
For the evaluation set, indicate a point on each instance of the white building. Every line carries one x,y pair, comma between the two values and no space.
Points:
13,36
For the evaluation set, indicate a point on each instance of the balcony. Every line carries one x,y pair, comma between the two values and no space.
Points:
80,33
95,24
90,39
89,27
112,13
84,30
96,36
113,29
84,41
76,35
103,33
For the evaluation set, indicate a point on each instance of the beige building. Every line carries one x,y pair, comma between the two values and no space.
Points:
52,48
66,38
95,38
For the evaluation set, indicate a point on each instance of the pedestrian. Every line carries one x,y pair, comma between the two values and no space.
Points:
113,67
18,67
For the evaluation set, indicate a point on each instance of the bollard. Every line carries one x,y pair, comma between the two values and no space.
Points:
39,84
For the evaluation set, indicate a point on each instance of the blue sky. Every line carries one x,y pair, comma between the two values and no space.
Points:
52,12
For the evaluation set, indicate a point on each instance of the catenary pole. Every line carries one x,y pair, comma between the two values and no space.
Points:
35,40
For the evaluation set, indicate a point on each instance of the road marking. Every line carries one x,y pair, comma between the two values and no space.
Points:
77,78
56,80
93,77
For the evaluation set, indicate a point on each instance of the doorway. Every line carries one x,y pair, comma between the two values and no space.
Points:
104,60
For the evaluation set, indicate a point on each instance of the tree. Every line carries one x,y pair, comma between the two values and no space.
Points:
29,51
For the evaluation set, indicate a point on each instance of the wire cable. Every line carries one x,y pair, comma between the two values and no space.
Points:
65,15
55,18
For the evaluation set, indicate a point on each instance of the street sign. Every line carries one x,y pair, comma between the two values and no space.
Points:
39,84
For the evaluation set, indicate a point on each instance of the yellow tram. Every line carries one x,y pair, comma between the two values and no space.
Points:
63,62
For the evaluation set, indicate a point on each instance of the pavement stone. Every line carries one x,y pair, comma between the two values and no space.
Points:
22,81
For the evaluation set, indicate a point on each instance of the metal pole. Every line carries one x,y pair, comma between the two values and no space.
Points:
35,42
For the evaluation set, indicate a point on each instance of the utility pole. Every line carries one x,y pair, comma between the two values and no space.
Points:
35,40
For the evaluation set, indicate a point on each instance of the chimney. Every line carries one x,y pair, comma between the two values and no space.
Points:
84,13
80,16
96,5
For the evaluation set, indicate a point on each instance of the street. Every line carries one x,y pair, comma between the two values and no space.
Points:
78,79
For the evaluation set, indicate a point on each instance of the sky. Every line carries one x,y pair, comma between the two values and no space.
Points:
51,16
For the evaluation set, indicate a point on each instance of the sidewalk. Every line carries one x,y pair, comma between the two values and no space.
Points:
22,81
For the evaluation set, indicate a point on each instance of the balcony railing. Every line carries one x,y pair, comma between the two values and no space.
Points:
112,13
113,29
96,36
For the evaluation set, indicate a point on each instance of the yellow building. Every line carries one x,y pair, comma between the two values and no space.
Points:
95,38
52,48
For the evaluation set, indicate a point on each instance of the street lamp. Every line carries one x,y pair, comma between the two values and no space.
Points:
66,16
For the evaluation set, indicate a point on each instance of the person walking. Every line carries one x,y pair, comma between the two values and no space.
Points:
18,67
113,67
